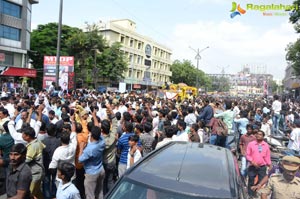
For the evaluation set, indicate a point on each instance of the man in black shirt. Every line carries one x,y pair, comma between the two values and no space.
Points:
19,174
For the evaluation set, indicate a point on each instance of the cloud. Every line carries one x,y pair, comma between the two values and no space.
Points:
233,43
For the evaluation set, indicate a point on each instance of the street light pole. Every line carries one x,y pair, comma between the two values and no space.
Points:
58,42
198,57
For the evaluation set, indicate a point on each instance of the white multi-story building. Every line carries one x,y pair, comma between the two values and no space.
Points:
148,61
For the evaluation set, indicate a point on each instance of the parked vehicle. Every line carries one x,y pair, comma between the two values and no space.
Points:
182,170
277,141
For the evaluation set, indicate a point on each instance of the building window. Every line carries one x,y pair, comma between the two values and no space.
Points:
122,39
139,59
139,46
11,9
131,58
9,58
10,33
131,43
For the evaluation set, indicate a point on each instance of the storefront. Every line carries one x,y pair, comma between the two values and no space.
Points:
13,77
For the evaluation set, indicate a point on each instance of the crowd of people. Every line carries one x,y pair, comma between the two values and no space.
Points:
77,144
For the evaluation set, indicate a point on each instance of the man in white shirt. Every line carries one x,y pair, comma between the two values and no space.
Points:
276,107
53,119
24,118
182,134
134,153
294,142
9,106
191,117
66,151
170,131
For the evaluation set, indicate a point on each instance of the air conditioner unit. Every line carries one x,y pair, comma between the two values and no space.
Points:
33,1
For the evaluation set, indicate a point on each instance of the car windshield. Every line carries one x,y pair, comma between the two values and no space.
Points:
131,189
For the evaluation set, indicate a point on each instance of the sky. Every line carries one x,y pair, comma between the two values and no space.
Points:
249,39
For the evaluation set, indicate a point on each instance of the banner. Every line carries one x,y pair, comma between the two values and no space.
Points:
66,72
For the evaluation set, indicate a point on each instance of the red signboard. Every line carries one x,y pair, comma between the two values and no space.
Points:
64,60
18,72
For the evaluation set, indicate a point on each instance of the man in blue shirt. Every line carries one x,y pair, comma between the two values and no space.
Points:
91,157
123,147
207,113
66,190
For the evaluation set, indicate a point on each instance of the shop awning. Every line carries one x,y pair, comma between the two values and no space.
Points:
17,72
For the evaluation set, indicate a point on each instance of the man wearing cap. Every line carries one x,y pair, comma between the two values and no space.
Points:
276,169
285,185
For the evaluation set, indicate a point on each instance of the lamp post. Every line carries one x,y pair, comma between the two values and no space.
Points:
58,42
198,57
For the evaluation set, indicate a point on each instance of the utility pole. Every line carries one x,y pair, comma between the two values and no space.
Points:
198,57
58,42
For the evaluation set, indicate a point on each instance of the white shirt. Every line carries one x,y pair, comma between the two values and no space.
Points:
14,134
122,109
163,142
276,106
10,108
182,135
20,123
155,123
66,153
236,111
66,191
136,157
54,120
266,129
294,142
190,119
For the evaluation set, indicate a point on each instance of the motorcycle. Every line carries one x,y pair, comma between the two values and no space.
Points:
277,141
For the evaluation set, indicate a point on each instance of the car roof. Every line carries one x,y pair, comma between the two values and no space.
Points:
190,168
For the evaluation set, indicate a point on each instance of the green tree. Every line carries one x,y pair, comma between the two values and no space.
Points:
43,43
293,56
185,72
293,49
220,84
95,59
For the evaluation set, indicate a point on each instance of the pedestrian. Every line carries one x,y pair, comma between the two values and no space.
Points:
276,108
34,158
66,189
134,154
294,139
91,157
258,155
244,141
51,143
19,174
284,185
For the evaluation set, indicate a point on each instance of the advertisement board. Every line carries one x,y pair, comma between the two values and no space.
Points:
66,72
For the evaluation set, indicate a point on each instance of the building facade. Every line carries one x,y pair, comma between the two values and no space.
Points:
15,28
291,82
246,83
148,61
